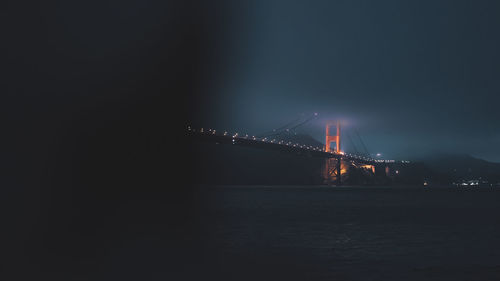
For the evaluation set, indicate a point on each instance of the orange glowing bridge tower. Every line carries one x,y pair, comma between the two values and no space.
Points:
332,138
333,165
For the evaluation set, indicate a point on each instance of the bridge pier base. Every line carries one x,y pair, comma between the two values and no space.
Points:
333,171
338,171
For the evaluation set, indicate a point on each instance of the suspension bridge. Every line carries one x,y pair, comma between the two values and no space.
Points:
337,162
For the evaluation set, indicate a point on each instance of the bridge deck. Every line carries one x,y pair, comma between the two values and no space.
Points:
264,143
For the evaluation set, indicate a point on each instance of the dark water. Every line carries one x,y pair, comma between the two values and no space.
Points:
349,233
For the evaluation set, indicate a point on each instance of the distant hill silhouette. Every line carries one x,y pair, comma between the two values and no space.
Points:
463,167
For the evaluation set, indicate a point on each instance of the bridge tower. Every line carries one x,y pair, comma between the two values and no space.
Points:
332,138
333,165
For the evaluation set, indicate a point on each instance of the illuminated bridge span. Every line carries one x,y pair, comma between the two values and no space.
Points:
274,144
337,162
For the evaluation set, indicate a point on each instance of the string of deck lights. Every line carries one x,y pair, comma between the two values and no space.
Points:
278,142
236,136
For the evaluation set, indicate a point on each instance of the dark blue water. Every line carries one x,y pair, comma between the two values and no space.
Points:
350,233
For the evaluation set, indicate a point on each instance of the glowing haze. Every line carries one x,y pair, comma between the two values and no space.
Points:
412,78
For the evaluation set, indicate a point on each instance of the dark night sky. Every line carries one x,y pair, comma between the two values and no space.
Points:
412,76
